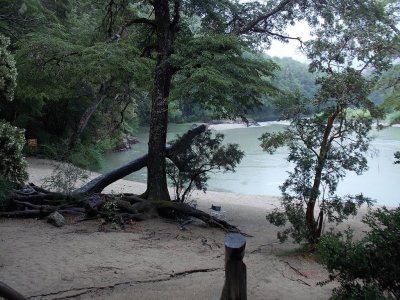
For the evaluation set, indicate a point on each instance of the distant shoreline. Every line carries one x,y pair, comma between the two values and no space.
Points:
236,125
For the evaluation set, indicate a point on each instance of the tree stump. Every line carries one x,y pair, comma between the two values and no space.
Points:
235,287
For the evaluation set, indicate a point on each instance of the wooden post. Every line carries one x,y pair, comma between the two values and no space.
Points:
235,287
9,293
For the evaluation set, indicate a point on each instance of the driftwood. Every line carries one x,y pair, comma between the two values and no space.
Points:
36,202
235,287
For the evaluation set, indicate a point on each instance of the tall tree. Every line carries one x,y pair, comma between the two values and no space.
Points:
354,44
247,24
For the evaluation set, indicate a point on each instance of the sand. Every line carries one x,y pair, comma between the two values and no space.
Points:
154,259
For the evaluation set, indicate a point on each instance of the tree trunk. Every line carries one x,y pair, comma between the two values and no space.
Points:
156,167
99,183
101,95
314,228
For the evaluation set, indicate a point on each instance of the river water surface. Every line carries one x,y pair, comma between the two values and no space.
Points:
261,174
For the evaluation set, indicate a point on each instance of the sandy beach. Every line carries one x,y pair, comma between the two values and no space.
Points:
154,259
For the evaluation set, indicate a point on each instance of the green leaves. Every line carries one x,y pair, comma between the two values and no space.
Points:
270,142
355,35
62,67
369,268
193,163
8,71
12,163
217,72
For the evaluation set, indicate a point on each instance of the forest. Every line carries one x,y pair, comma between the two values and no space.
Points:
80,77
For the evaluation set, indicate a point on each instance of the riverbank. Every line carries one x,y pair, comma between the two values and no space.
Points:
154,259
237,124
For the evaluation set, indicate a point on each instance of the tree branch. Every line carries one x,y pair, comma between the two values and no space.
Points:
129,23
286,37
253,23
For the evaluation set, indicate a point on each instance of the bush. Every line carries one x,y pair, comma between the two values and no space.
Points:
194,162
369,268
64,177
6,188
12,163
8,71
85,156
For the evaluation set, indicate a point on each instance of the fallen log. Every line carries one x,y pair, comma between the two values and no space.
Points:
99,183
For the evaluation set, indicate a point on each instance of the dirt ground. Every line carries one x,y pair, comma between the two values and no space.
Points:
154,259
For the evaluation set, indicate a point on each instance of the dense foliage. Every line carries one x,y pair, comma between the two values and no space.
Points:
368,268
389,87
12,162
8,71
74,88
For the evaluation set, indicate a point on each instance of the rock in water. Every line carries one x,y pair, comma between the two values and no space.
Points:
56,219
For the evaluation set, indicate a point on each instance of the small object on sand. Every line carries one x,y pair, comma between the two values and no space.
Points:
217,212
56,219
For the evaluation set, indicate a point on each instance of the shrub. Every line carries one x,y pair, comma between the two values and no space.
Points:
194,162
8,71
12,163
87,156
6,188
369,268
64,177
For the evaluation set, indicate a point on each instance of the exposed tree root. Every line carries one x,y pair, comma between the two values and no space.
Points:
295,269
75,292
36,202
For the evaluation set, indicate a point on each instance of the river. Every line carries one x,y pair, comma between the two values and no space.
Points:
261,174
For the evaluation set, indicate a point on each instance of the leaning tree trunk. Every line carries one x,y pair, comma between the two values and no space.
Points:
101,95
156,167
102,181
314,227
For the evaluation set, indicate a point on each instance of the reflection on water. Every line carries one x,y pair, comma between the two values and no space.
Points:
261,174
